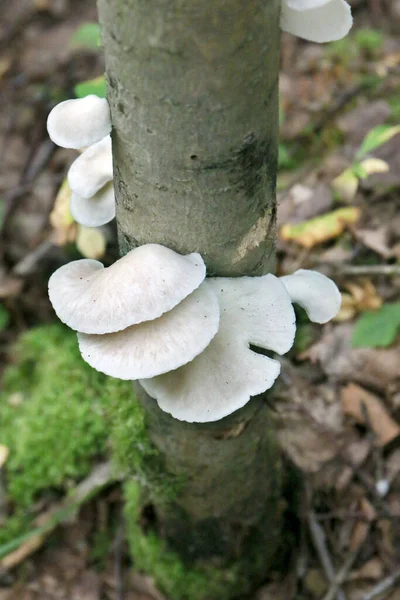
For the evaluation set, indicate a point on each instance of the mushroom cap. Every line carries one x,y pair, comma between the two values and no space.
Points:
95,211
306,4
254,310
147,282
316,293
92,169
318,20
80,122
155,347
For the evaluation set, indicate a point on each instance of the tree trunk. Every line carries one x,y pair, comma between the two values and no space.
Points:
193,90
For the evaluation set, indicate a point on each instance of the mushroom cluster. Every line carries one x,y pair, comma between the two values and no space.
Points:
316,20
148,313
195,344
85,124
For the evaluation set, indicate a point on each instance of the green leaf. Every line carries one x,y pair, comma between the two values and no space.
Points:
87,36
4,317
369,39
377,137
95,86
379,328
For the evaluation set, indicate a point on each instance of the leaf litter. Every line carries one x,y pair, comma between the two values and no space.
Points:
337,407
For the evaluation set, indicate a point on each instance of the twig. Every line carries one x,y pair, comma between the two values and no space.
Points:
383,586
342,575
101,476
366,270
318,536
27,265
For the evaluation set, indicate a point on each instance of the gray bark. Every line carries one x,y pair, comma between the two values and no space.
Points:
193,90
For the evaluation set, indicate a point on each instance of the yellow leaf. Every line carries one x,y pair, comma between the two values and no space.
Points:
4,452
61,218
345,185
90,242
374,165
320,229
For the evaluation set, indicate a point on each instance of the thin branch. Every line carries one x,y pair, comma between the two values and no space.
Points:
318,537
365,270
342,575
383,586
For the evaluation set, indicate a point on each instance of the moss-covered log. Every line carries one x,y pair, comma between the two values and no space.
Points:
193,90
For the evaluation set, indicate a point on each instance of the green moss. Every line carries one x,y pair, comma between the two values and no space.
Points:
52,413
172,576
134,454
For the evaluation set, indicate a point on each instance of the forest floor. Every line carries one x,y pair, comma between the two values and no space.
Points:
338,400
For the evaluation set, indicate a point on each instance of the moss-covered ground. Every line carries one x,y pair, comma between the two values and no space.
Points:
54,421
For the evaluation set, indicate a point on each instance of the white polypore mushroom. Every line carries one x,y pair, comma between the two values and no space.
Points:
80,122
254,310
141,286
92,169
154,347
95,211
316,293
316,20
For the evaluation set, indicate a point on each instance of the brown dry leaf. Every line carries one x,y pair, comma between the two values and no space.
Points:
356,401
363,296
61,219
387,542
308,422
303,202
5,64
144,585
26,549
376,240
320,229
372,569
377,367
361,528
357,453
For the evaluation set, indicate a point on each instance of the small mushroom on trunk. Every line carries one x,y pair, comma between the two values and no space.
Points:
80,122
95,211
316,293
92,169
316,20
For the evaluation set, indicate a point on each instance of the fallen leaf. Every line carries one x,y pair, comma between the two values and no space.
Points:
367,409
371,166
361,528
302,202
320,229
90,242
376,367
376,240
60,217
4,452
345,185
372,569
363,296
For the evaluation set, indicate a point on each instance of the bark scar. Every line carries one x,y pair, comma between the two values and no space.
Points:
253,238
